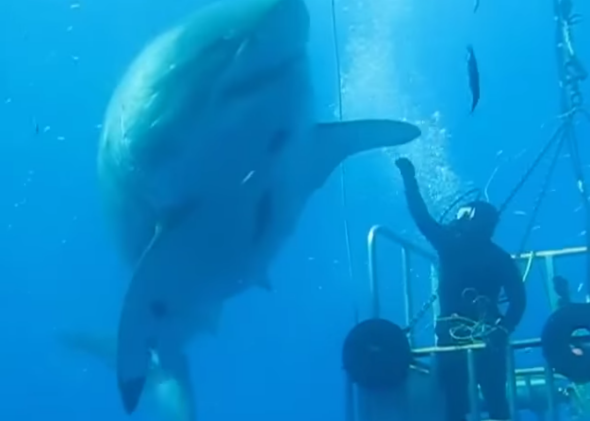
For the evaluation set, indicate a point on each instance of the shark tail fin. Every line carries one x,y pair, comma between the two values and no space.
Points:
337,141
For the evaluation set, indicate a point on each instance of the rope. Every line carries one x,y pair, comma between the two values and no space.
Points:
340,114
464,329
541,197
556,137
571,73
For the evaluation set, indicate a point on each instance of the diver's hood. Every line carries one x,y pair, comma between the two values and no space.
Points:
478,210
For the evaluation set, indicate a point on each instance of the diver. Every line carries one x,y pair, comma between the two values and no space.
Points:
473,271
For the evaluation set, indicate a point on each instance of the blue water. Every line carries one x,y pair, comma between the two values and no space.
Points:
276,356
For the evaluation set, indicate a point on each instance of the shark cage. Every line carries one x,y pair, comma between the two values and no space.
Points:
387,377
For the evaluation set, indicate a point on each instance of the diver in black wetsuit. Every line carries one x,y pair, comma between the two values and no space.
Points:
472,272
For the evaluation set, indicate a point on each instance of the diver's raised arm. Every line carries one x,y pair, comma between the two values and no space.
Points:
428,226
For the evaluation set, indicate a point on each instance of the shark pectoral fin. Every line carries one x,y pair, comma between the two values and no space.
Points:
337,141
101,347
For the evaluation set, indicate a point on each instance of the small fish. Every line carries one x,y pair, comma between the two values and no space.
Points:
475,6
473,77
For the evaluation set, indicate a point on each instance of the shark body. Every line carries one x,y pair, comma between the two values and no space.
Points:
209,152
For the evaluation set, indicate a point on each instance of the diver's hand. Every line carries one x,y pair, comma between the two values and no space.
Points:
406,168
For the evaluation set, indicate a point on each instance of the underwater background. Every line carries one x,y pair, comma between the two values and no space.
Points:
275,356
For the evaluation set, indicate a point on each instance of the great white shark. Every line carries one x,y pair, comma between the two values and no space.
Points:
209,152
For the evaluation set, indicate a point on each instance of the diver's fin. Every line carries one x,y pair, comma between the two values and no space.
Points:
102,347
173,389
337,141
